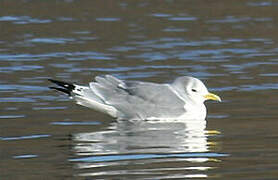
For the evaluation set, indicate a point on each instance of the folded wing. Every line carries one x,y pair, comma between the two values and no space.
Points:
138,100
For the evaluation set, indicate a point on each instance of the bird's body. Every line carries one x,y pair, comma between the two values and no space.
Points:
182,99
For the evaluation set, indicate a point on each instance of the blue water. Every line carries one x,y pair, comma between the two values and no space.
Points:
232,47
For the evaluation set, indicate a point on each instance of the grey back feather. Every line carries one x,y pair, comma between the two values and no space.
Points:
135,99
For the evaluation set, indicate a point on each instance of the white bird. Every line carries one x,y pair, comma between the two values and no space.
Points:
136,100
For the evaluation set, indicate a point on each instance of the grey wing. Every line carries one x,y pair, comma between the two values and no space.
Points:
138,100
158,100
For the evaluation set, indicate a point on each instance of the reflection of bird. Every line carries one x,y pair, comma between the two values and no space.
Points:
182,99
144,137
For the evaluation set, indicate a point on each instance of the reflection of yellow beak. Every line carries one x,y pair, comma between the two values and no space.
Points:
211,96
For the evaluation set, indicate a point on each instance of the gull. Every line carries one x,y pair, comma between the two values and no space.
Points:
183,99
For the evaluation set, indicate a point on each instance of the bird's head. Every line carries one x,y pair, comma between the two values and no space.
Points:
195,89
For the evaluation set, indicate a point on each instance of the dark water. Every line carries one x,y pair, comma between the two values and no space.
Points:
231,45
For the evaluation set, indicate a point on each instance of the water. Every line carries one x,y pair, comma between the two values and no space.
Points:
230,45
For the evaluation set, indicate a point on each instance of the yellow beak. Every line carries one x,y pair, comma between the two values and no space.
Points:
211,96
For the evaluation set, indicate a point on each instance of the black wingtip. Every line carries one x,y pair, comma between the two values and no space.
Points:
61,90
64,86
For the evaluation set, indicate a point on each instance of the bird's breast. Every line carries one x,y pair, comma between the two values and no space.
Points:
195,111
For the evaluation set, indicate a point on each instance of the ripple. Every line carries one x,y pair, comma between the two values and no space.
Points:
126,68
25,156
36,136
158,174
145,156
52,40
49,108
135,75
226,88
171,43
66,65
185,18
122,48
262,3
86,55
73,123
108,19
219,116
20,68
64,19
257,87
22,87
269,74
24,20
11,108
89,55
25,57
17,99
163,15
11,116
173,29
151,56
232,19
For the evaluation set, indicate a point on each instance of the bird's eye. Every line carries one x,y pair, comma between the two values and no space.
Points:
194,90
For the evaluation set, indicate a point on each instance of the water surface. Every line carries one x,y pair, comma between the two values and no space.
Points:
230,45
